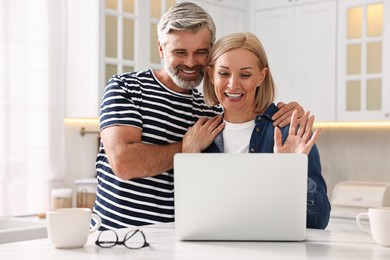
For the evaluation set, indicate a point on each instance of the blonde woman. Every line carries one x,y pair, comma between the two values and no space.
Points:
239,78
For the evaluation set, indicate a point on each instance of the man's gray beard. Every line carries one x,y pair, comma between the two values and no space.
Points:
184,84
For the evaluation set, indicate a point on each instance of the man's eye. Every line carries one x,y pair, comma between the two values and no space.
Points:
202,53
180,53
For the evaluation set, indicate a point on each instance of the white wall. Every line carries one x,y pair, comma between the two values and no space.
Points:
81,152
358,154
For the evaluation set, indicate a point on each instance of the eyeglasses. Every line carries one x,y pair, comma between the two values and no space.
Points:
134,239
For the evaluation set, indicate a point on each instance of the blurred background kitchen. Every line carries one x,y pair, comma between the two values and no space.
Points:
56,56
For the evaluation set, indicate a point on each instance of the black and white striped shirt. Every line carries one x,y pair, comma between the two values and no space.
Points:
138,99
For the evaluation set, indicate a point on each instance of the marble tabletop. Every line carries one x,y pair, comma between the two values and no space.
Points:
342,240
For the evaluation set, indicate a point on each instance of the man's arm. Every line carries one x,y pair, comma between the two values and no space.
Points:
283,116
129,158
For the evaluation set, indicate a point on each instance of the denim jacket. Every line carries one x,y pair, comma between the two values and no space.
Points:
262,141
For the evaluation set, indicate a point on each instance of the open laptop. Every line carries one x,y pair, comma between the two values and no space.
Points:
235,197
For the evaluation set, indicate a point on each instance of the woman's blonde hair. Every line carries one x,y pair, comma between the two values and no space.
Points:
266,93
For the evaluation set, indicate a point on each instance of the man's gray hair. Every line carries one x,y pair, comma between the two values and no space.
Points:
185,16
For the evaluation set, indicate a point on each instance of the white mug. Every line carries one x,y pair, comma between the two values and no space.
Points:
379,219
69,227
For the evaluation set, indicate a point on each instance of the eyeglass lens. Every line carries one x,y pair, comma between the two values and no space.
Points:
134,239
107,238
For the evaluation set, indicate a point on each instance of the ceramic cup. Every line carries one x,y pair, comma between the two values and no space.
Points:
379,224
70,227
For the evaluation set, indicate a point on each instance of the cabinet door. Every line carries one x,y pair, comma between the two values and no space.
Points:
301,47
267,4
230,20
314,52
82,53
275,30
363,85
227,17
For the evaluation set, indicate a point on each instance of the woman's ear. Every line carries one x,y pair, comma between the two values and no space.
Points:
263,74
209,73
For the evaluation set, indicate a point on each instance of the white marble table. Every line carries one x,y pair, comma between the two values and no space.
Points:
342,241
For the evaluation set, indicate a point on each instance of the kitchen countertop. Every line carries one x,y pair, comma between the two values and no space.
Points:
343,240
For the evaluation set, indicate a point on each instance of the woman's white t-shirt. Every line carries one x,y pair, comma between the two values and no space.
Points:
236,137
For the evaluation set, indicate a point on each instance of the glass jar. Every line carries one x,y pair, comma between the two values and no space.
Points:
86,192
61,198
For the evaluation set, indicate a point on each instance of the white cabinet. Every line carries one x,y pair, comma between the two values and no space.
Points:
265,4
106,38
82,58
229,15
306,41
300,40
363,60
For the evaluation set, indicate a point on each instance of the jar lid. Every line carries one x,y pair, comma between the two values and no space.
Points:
86,181
86,185
64,192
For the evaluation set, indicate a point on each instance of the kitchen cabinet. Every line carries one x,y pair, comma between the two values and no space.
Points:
110,37
300,40
266,4
82,58
363,86
106,38
313,60
229,15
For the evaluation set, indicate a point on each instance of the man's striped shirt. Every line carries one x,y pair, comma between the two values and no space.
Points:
138,99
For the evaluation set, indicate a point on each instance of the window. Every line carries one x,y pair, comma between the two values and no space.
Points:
129,43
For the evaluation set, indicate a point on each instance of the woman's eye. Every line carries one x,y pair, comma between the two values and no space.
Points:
223,74
245,76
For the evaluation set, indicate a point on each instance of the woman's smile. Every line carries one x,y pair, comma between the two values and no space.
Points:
234,97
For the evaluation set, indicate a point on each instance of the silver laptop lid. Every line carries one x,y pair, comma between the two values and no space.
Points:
240,196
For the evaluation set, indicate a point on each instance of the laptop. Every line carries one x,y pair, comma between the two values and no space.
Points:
240,197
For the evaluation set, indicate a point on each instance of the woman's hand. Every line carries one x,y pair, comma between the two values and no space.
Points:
202,134
300,138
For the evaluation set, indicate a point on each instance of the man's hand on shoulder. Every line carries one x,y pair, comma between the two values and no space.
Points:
283,116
